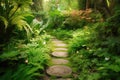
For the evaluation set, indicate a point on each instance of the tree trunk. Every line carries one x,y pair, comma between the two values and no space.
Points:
88,4
102,7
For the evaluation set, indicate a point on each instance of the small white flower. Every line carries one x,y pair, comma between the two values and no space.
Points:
44,42
77,52
26,61
107,58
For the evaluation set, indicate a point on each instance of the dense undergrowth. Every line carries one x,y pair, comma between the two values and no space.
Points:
23,47
21,60
92,30
93,47
95,58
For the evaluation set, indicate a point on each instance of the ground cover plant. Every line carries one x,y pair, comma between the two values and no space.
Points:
94,51
91,28
28,60
23,49
94,59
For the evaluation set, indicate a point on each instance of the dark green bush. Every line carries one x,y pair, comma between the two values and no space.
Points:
72,24
95,56
62,34
55,19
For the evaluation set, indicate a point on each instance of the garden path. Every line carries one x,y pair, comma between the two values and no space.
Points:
60,69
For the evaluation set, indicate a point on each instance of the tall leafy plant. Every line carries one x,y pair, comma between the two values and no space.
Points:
21,61
12,17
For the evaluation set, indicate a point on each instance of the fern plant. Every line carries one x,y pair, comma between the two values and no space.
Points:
11,17
21,61
23,72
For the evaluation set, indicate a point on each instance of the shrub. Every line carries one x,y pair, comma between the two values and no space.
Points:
12,19
27,72
21,61
80,39
77,18
55,19
93,57
62,34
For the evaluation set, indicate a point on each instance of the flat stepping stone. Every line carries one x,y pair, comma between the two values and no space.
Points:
59,71
56,41
61,49
61,45
60,54
60,61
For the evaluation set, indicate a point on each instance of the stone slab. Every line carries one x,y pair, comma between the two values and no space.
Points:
60,61
57,41
60,49
60,54
60,45
59,71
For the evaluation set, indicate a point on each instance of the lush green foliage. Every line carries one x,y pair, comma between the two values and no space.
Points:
12,18
28,60
55,19
95,57
93,34
61,33
94,48
23,52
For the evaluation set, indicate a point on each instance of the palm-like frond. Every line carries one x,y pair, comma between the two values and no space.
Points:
28,30
11,14
23,3
20,22
4,20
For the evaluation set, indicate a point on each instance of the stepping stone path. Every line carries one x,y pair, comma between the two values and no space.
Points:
59,69
59,61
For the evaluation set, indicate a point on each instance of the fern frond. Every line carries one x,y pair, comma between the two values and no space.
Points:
23,3
28,30
6,76
4,20
26,72
41,67
8,55
22,24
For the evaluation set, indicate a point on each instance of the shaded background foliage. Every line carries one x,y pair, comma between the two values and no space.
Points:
90,27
